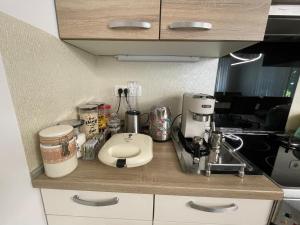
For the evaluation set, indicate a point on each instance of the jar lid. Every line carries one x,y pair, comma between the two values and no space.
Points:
106,106
98,103
56,131
74,123
87,107
133,112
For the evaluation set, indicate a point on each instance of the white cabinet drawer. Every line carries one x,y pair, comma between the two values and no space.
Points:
211,210
127,206
180,223
69,220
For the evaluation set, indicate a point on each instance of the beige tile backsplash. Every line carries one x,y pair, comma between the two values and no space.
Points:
48,78
162,83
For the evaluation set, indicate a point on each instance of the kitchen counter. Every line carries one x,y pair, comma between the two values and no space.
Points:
162,175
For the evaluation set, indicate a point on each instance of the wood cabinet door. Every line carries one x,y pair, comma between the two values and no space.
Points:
108,19
243,20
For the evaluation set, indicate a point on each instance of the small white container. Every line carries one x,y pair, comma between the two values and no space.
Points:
80,140
58,148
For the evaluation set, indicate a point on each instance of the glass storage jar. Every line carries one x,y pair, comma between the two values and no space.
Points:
104,116
114,124
89,114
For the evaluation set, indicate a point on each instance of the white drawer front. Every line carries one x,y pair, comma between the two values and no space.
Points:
180,223
178,209
69,220
129,206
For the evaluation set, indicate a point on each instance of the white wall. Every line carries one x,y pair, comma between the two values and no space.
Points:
40,69
38,13
20,203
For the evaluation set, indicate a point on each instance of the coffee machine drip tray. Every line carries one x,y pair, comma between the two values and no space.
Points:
229,162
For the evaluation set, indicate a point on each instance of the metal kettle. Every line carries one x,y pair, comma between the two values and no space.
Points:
160,123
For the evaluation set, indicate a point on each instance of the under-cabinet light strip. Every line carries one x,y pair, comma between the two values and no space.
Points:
156,58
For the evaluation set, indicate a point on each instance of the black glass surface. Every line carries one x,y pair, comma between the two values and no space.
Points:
252,113
256,97
253,96
257,149
265,152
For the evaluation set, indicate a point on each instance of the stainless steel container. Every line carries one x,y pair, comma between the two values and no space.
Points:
160,123
132,121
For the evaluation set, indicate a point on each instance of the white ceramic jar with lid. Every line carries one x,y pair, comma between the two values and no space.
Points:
76,124
58,148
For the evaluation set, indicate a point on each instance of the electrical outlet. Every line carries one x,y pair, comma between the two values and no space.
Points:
131,93
117,88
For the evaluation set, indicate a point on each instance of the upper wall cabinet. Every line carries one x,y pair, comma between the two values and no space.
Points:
208,28
108,19
241,20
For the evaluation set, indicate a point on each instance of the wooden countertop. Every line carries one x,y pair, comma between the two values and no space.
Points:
162,175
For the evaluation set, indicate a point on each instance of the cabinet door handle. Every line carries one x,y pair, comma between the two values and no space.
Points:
129,24
197,25
215,209
107,202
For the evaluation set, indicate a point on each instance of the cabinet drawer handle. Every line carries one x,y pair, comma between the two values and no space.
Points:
197,25
129,24
216,209
107,202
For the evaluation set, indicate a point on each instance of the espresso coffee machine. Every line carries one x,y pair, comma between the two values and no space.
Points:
200,148
197,110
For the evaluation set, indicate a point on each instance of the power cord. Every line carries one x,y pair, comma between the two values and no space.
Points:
235,138
175,118
126,91
120,91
